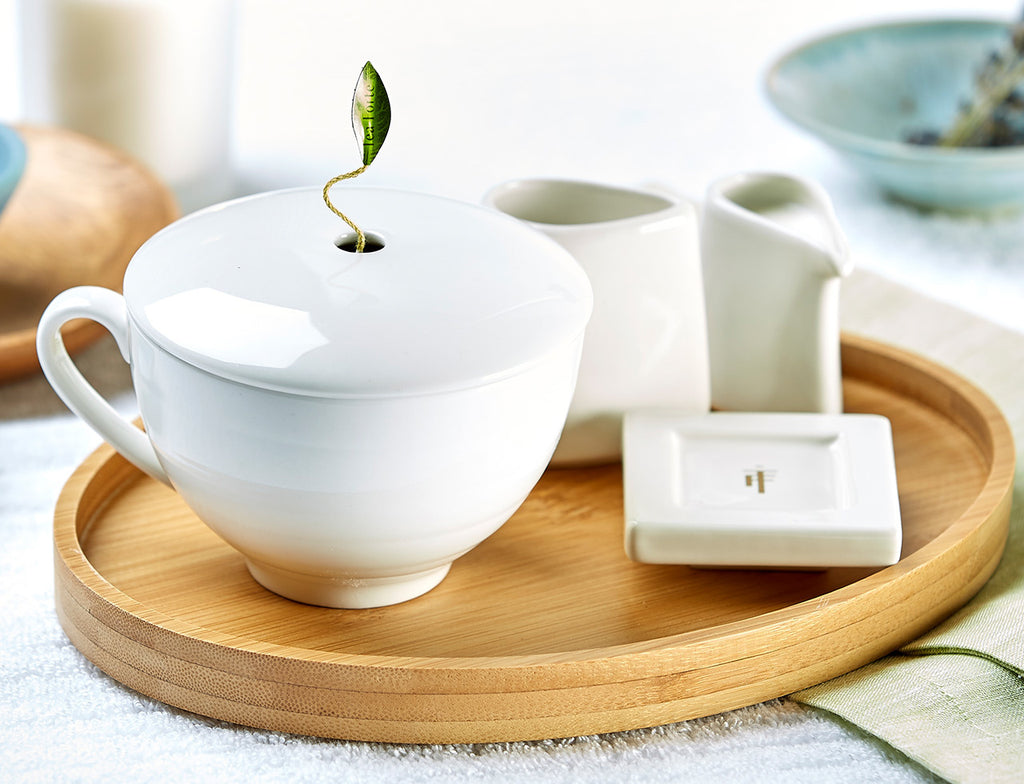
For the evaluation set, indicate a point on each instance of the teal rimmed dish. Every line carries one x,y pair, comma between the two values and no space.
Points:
863,90
12,162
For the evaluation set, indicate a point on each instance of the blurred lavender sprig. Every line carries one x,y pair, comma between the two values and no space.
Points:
995,118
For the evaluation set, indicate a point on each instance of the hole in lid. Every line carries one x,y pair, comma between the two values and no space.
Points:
347,242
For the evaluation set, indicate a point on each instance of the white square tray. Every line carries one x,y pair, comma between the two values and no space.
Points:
760,490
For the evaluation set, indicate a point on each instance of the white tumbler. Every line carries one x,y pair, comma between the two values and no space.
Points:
150,77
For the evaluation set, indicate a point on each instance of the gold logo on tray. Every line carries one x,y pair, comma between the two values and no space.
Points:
760,475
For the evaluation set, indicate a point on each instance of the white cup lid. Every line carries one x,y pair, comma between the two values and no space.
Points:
258,291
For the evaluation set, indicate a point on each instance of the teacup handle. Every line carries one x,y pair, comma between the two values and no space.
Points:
107,308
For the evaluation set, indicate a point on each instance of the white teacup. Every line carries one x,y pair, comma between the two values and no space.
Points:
350,423
646,344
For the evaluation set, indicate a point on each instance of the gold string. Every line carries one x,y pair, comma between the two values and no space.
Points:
360,237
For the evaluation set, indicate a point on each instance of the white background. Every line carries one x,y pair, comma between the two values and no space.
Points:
627,92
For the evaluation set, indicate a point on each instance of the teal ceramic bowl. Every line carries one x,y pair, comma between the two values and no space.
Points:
12,162
861,91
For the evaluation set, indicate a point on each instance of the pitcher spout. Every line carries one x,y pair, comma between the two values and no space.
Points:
785,207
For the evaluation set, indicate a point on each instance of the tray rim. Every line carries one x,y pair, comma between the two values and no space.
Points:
998,483
81,588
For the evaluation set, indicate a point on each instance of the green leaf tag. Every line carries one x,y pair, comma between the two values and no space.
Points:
371,113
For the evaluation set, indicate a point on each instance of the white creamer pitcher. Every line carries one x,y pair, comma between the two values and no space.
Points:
646,344
773,257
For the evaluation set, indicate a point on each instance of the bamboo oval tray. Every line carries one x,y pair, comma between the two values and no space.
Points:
546,629
79,213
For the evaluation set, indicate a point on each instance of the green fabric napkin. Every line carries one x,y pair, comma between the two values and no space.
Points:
953,700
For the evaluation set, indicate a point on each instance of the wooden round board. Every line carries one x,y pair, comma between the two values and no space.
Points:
79,213
546,629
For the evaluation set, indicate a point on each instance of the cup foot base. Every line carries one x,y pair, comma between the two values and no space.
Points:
346,593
